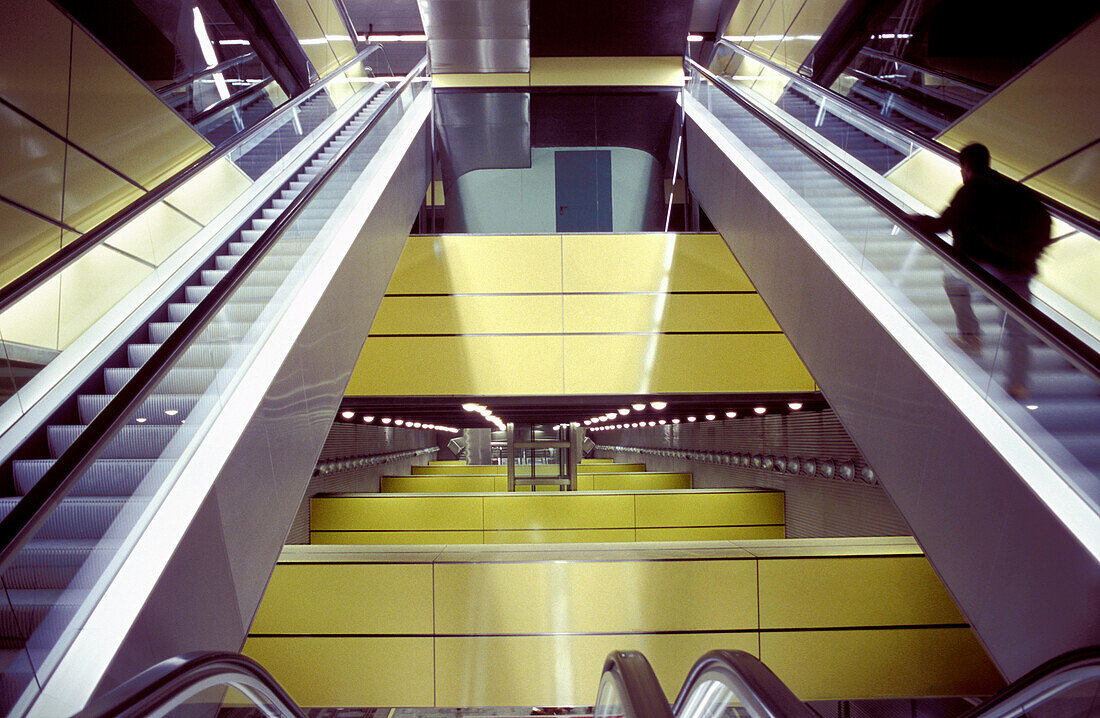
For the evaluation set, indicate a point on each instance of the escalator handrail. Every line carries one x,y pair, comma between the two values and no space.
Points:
17,528
1078,220
1071,347
199,117
47,268
1060,673
159,686
760,689
943,74
641,690
224,65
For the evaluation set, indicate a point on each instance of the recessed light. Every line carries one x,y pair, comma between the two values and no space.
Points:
760,409
658,405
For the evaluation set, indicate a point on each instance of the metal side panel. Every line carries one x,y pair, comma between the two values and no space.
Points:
195,577
972,490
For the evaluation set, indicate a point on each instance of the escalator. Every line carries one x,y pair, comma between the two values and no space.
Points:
118,465
1004,495
721,683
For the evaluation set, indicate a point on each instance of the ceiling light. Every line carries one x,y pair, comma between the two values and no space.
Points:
171,412
695,38
653,423
675,421
587,422
624,411
141,420
399,422
710,417
386,420
368,419
658,405
760,409
731,414
469,406
416,424
234,42
795,405
395,38
634,425
661,422
1032,407
610,415
347,414
637,407
691,418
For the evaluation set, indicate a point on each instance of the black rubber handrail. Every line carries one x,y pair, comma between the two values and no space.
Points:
1071,347
175,679
1077,219
233,99
17,528
224,65
47,268
957,79
1057,675
638,686
758,690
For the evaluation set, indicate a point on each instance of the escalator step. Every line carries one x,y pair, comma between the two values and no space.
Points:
133,441
180,379
105,477
76,517
158,408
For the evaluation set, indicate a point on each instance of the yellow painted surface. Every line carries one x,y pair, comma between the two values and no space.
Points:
710,533
709,509
303,22
92,286
540,314
650,263
602,596
27,241
116,118
596,71
455,264
349,671
640,482
927,176
1076,181
597,461
501,469
432,484
322,599
397,538
34,319
1018,124
481,79
154,234
559,510
895,663
447,462
610,468
495,365
31,162
92,192
852,592
210,191
396,513
560,536
34,60
336,33
559,670
689,363
667,313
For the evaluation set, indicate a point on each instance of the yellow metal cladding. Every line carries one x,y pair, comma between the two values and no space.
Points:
396,513
710,533
558,510
32,178
511,626
906,663
93,193
34,60
27,241
484,79
500,469
604,71
594,597
390,538
437,484
534,536
649,481
573,314
313,599
711,508
330,671
303,22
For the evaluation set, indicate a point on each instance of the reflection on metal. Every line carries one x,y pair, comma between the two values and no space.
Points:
477,35
483,130
477,446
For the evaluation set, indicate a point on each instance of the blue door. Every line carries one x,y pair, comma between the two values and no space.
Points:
582,187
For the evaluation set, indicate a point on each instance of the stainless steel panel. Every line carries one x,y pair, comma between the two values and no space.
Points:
970,508
477,35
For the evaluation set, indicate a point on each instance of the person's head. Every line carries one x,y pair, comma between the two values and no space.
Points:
973,160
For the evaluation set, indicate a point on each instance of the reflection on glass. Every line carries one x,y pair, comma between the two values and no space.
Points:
609,702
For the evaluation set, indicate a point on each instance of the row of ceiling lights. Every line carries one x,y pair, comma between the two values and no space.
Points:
599,423
485,412
405,423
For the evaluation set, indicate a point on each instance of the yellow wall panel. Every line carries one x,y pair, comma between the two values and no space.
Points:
349,671
804,23
891,663
155,233
558,670
482,79
495,365
647,71
31,164
34,60
1076,182
26,241
433,484
610,468
463,470
709,509
640,482
92,286
210,191
711,533
447,462
667,313
597,461
559,510
650,263
927,176
664,363
335,31
396,513
34,320
469,315
1070,267
456,264
299,15
117,119
93,193
574,597
560,536
397,538
347,598
852,592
